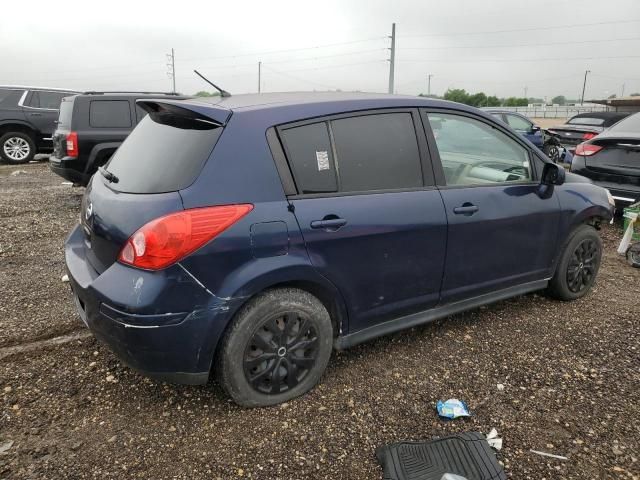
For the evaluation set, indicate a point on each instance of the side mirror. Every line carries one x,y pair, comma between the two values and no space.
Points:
552,174
535,128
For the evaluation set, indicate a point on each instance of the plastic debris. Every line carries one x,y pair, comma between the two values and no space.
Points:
633,255
493,440
500,387
65,278
5,446
545,454
627,238
452,408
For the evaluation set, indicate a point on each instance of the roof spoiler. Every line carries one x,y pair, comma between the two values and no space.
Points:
218,114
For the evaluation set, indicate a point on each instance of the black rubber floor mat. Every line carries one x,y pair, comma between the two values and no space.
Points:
467,455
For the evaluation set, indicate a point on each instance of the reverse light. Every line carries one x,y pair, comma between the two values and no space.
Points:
166,240
588,135
587,149
72,144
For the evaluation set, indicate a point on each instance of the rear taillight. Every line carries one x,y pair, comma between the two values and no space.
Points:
588,135
72,144
166,240
587,149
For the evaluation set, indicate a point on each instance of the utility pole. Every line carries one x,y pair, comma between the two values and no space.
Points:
526,89
392,60
584,86
429,83
171,68
622,95
259,75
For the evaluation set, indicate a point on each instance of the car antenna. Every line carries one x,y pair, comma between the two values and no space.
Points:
223,93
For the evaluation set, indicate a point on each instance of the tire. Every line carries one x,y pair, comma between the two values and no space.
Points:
633,255
258,356
552,151
578,267
17,148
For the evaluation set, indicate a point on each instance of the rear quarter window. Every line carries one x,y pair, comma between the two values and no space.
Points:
9,97
110,114
164,153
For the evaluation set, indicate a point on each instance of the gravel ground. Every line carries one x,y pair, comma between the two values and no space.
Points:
571,376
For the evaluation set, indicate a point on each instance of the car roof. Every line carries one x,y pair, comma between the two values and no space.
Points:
602,115
27,87
501,110
289,107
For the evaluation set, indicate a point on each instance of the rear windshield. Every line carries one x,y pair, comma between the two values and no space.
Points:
595,122
164,153
66,109
629,124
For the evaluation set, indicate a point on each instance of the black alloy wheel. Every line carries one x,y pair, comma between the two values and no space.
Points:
281,352
582,268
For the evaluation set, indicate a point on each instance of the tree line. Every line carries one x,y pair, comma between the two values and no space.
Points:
480,99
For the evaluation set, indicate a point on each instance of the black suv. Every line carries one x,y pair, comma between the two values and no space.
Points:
91,127
27,120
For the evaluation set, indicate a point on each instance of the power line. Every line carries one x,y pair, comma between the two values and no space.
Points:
295,77
522,44
531,29
504,60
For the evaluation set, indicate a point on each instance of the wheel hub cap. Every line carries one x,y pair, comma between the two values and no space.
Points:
582,266
281,352
16,148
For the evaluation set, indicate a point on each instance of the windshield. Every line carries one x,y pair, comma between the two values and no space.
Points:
630,124
164,153
64,117
595,122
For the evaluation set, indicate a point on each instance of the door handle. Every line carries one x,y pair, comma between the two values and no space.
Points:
330,223
466,209
33,114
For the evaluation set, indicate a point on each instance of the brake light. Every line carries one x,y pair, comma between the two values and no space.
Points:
588,135
587,149
72,144
166,240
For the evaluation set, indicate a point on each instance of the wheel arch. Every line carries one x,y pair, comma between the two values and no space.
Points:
17,126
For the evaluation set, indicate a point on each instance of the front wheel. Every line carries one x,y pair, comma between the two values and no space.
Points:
276,349
552,151
577,269
17,147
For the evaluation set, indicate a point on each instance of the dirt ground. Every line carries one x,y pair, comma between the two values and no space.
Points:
571,376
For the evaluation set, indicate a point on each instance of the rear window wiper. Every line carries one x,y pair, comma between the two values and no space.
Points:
110,177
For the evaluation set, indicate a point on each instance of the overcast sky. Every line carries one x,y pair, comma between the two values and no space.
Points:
500,47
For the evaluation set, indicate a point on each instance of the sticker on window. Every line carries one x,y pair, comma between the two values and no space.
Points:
323,160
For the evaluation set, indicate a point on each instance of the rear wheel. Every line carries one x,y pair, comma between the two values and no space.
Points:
577,269
17,147
276,349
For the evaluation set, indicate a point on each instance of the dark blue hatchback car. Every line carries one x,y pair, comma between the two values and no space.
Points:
248,236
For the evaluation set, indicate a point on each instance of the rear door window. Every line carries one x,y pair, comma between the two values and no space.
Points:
47,100
110,114
164,153
309,151
377,152
66,111
518,123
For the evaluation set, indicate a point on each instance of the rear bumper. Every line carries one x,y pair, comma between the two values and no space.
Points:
69,168
130,311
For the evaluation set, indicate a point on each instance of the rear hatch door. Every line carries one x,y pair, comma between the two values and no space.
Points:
619,158
63,127
163,154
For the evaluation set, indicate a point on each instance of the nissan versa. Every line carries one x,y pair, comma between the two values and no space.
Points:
247,236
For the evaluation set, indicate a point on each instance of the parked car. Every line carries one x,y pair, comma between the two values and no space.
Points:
521,124
579,128
612,160
27,121
249,235
91,126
